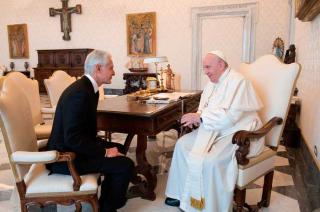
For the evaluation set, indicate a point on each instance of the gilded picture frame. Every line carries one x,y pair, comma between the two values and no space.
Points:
141,34
18,41
307,10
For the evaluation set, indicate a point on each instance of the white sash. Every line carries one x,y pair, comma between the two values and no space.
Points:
194,185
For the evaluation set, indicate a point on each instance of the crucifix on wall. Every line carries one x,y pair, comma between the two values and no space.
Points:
65,17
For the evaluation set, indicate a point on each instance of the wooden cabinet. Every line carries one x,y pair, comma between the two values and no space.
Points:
68,60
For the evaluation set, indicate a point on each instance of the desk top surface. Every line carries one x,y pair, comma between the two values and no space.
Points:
120,105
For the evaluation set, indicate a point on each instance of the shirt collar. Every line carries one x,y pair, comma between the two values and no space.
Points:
93,82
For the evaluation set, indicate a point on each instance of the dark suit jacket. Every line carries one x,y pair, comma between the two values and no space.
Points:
75,125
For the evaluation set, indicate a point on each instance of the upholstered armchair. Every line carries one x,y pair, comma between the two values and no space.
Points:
30,88
274,82
56,84
34,183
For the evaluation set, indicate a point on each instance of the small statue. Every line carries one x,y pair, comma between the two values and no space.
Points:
11,66
172,85
290,56
26,65
278,48
169,78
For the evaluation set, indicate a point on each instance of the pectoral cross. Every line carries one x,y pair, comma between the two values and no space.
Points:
65,17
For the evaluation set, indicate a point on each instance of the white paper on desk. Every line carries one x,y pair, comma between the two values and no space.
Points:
172,97
154,101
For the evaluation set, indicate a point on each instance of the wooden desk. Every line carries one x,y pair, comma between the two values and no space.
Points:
119,115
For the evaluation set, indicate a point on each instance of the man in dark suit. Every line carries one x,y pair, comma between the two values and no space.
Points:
75,129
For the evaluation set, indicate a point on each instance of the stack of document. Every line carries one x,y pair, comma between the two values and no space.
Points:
165,98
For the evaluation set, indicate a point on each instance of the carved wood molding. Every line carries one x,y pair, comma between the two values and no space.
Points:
69,157
249,11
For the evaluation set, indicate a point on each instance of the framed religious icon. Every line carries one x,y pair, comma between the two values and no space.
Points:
18,41
141,34
307,10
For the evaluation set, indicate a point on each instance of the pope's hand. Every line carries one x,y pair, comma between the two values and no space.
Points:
190,119
113,152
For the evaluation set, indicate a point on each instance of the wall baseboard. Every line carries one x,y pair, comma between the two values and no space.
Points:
309,161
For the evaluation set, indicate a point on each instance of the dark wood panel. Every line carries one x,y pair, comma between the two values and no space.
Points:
62,59
45,59
50,60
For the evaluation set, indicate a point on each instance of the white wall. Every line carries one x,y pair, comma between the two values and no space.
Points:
103,25
308,55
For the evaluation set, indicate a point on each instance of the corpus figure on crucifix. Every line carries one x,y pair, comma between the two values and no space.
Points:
65,17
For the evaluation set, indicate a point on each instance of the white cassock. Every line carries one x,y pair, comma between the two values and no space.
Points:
204,167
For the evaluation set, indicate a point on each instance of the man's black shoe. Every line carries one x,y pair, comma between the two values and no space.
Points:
172,202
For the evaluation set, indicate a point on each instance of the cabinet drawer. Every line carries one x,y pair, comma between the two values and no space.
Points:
169,117
192,104
77,59
62,59
45,59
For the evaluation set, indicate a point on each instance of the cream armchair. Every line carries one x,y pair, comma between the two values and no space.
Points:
30,88
274,82
34,184
56,84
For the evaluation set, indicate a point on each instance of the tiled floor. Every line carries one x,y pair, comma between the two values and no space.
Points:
284,197
288,192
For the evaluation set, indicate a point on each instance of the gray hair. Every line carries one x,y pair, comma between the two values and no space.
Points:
94,58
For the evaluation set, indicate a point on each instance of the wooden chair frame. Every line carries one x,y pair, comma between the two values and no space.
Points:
25,202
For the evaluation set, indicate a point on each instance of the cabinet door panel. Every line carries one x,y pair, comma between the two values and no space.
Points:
62,59
77,59
46,59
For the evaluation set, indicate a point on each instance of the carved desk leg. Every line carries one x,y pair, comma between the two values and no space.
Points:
144,168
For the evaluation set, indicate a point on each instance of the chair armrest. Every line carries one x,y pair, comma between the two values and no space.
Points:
24,157
69,157
48,110
242,138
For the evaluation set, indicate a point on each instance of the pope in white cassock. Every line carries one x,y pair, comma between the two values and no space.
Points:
204,170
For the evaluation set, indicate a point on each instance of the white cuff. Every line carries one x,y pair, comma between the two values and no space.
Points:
24,157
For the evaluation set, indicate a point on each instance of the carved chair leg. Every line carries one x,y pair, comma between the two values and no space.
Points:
266,193
78,206
94,204
240,198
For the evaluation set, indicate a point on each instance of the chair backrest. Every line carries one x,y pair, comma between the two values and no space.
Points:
16,123
56,84
274,82
31,90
